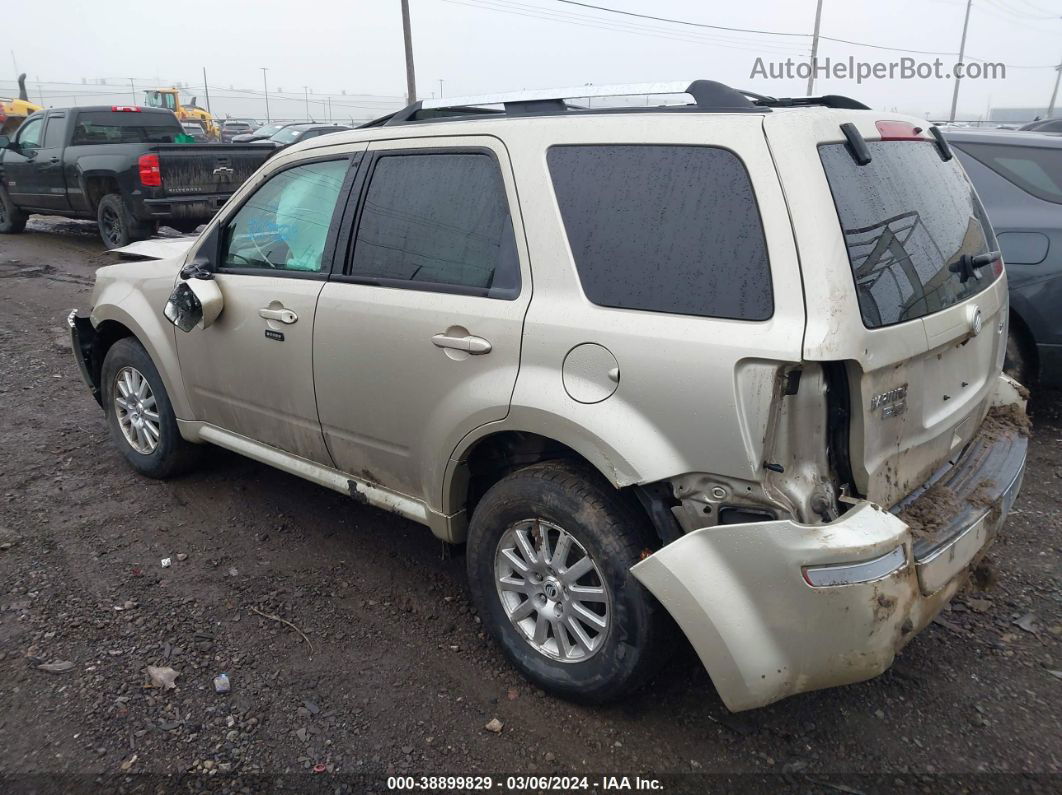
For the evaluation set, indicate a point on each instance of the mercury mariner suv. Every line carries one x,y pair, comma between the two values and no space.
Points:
731,363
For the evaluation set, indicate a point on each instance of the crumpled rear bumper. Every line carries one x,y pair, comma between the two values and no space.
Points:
746,599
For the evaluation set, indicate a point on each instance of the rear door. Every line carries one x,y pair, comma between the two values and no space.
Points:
418,342
891,292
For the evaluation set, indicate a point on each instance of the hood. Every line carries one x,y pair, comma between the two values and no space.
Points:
157,248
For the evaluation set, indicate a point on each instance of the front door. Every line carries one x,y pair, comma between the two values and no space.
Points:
418,341
50,179
20,163
251,372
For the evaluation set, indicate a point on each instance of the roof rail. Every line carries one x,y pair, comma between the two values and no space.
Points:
708,96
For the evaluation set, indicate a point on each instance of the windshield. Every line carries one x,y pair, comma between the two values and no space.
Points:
268,131
288,135
909,218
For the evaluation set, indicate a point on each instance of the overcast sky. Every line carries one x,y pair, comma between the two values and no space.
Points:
478,46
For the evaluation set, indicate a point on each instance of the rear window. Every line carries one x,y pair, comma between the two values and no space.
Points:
1035,170
907,217
121,127
664,229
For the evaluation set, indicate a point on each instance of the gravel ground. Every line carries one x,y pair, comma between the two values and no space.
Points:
351,646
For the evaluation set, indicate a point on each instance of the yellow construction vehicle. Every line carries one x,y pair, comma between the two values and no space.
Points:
170,98
14,111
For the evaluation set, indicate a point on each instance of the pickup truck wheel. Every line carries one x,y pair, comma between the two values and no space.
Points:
549,554
12,219
139,413
117,227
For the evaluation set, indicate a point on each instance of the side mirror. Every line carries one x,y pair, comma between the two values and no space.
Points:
196,302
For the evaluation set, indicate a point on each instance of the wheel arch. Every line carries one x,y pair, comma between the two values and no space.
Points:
1027,341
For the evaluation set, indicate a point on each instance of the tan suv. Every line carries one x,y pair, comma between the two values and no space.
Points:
734,362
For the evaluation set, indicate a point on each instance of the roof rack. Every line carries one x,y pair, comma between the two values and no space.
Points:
708,96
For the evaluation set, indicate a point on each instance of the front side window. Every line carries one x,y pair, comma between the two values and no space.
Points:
671,229
284,225
438,219
29,137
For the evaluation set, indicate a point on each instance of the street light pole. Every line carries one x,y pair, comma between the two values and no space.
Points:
265,84
306,96
132,90
962,51
1054,94
814,47
407,35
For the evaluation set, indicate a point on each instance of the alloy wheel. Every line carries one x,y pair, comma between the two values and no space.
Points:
137,412
552,591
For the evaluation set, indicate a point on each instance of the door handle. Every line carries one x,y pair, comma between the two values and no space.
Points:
477,346
283,315
53,160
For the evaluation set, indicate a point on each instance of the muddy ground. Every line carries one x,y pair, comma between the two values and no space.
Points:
395,674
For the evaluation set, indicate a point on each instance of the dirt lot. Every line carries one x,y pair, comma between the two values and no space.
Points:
395,674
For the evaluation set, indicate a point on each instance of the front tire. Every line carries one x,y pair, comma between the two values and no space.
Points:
12,219
549,550
117,226
139,414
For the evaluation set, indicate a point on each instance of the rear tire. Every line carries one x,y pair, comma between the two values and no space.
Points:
139,414
12,219
117,226
606,634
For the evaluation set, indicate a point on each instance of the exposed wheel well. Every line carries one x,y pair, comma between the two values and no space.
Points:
107,333
98,187
1027,342
497,455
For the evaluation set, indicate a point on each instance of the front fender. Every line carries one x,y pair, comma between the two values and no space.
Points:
137,305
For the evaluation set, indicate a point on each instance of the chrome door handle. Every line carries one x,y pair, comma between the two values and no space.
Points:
283,315
477,346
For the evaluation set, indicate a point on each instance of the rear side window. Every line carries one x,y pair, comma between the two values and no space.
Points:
438,221
1033,169
53,133
664,229
908,217
125,127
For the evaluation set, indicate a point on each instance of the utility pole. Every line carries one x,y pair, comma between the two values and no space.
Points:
265,85
815,47
306,94
206,90
330,108
1054,94
962,52
407,35
440,88
132,90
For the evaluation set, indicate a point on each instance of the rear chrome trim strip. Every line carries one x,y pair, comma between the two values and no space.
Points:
855,573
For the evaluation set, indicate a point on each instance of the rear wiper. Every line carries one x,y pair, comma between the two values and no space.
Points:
968,265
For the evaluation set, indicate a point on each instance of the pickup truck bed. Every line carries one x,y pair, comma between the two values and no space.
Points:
120,166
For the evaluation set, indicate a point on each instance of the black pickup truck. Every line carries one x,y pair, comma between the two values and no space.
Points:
119,165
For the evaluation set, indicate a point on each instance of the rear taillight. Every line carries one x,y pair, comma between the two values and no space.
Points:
997,267
899,131
150,174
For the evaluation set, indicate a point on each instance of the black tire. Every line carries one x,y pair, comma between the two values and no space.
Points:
172,455
1019,361
608,527
12,219
117,226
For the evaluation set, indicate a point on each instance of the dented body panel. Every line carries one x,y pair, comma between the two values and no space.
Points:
763,632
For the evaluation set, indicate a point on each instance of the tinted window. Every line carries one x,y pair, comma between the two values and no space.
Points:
664,229
907,218
284,225
438,219
1033,169
125,127
53,133
29,136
